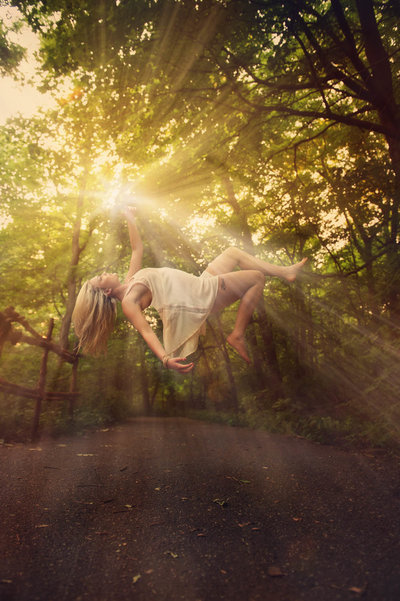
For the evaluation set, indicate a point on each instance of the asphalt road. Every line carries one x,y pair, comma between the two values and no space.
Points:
171,509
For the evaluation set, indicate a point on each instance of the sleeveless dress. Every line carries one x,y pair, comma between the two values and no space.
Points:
183,301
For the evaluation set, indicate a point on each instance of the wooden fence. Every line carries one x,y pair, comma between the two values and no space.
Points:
8,333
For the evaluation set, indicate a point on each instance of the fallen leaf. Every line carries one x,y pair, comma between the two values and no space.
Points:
171,553
136,578
223,572
297,519
42,526
221,502
149,571
274,571
6,581
357,590
244,524
238,480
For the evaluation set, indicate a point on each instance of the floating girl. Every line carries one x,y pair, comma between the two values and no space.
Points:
183,301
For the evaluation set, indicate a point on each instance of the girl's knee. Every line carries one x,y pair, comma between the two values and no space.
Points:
233,252
230,250
259,277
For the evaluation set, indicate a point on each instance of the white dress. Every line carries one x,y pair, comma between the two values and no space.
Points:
183,302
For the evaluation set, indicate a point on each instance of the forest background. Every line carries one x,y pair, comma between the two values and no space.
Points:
273,126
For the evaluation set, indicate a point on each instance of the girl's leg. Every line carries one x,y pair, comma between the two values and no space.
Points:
235,257
247,285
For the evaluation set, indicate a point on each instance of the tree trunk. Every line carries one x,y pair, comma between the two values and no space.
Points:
144,380
76,250
220,339
382,88
260,369
275,383
243,234
268,375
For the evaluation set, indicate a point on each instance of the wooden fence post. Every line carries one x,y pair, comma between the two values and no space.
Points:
42,382
73,387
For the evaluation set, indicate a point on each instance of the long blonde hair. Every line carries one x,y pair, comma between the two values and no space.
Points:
93,317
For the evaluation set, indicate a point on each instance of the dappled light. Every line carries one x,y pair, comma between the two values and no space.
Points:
185,112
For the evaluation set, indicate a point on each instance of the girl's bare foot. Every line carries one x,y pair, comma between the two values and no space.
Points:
291,271
239,344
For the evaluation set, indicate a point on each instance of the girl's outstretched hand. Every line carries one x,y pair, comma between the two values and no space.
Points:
129,212
176,364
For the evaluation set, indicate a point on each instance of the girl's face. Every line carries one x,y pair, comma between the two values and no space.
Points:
105,281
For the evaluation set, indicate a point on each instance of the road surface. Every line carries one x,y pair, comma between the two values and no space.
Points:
175,509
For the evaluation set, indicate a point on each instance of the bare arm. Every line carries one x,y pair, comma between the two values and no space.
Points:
136,243
133,312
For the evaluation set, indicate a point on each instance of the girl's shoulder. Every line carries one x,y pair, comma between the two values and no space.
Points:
141,273
138,285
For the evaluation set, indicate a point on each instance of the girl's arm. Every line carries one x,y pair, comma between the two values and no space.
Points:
133,312
136,243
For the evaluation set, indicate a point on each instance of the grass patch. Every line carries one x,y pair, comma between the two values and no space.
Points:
322,429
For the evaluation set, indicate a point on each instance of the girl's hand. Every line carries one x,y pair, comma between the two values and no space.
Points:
129,212
176,364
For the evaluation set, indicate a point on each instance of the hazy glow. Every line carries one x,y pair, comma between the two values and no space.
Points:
112,190
119,194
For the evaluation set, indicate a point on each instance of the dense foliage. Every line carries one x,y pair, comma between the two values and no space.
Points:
270,125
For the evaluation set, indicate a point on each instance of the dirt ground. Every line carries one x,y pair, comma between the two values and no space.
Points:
170,509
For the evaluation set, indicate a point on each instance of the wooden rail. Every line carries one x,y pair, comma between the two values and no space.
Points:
9,334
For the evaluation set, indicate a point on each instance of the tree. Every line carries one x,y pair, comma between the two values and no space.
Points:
322,65
252,122
11,53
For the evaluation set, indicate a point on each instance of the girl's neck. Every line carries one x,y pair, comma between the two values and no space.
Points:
119,292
